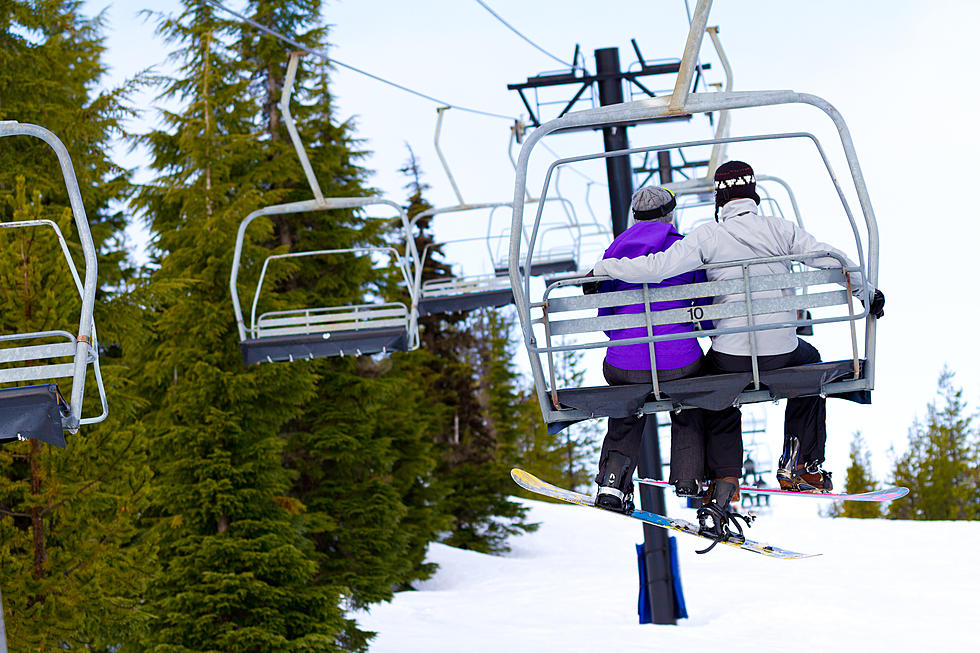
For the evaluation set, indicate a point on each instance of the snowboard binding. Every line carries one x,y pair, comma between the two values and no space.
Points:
716,517
800,478
615,481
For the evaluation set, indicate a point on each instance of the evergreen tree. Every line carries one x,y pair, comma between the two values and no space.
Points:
360,450
939,467
568,457
859,479
235,572
479,464
68,570
480,415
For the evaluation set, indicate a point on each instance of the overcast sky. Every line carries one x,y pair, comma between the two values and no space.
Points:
901,73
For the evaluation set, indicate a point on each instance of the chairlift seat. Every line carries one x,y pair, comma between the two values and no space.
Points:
318,345
713,392
544,267
34,411
464,302
460,294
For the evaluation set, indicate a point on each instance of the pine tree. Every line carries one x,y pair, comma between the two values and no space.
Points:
235,572
360,451
859,479
480,413
566,458
68,570
939,466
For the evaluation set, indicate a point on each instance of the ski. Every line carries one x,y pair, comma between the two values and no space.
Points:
884,494
534,484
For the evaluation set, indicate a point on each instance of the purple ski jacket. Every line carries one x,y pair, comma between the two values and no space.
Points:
639,240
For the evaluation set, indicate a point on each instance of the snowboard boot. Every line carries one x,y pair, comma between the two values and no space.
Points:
788,473
716,517
817,477
615,481
687,488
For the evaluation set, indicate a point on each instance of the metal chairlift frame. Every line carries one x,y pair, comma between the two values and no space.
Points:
557,260
459,293
353,320
33,401
694,103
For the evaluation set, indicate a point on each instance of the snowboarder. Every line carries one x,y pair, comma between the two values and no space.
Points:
694,457
740,232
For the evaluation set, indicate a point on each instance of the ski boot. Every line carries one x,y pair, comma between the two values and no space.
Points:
615,481
716,516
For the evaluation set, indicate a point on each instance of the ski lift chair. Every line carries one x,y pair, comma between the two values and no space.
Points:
463,293
332,330
40,411
307,333
574,315
558,258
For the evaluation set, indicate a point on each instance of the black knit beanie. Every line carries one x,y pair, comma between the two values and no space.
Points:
734,180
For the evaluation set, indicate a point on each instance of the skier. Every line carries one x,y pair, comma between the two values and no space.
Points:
740,232
691,451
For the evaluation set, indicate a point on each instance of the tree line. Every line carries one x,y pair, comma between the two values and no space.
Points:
221,507
940,466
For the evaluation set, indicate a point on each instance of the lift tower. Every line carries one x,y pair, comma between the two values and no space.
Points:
609,79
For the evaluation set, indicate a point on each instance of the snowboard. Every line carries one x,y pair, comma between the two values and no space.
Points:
884,494
534,484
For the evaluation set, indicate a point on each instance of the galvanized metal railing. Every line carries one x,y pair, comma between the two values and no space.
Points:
83,346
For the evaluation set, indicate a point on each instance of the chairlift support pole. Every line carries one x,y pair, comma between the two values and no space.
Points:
656,545
614,138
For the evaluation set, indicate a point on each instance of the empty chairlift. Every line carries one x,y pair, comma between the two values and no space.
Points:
40,411
466,292
826,292
313,332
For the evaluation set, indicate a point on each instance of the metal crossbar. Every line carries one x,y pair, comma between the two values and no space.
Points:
696,290
710,312
315,321
463,285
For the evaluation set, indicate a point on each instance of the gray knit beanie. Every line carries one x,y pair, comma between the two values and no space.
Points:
653,204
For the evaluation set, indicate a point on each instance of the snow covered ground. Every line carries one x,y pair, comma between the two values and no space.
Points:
572,586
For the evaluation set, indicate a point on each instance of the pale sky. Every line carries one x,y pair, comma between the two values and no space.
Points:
901,73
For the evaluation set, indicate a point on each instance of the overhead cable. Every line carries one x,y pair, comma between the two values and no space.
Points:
323,55
515,31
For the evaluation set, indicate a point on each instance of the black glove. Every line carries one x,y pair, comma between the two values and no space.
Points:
877,305
592,287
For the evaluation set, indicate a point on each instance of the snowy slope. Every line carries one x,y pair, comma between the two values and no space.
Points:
572,586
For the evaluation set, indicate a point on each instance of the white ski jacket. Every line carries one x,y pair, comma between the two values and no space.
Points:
741,233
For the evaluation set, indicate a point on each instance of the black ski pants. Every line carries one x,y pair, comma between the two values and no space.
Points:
806,417
704,444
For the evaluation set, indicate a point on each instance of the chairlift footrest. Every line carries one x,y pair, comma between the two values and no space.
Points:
713,392
320,345
464,302
33,412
